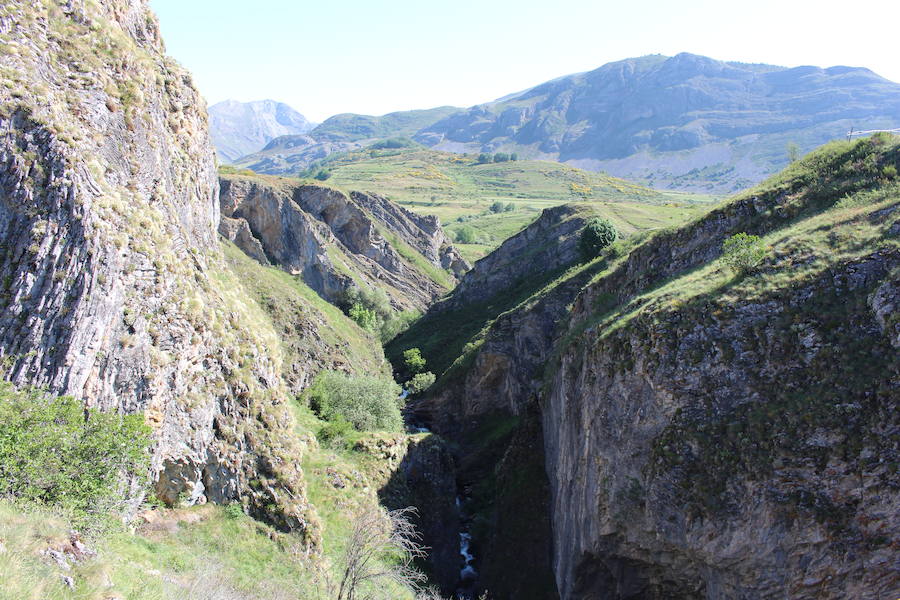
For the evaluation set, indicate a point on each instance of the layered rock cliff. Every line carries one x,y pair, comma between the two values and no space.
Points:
114,287
335,242
704,435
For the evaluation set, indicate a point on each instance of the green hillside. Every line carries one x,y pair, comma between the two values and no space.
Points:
464,193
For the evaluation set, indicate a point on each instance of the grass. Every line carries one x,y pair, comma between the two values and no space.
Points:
460,192
290,304
201,553
450,338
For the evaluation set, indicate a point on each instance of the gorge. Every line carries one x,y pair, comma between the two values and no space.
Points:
641,420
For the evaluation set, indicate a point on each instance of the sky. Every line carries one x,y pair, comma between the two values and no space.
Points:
378,56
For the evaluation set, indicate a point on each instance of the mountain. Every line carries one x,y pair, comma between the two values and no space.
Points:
241,128
290,154
685,122
654,424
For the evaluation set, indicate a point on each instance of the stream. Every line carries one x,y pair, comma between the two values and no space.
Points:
468,575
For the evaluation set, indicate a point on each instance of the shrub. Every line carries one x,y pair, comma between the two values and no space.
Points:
485,158
497,207
365,318
413,361
334,433
420,382
513,157
322,175
501,157
367,403
54,454
742,252
889,172
466,235
597,235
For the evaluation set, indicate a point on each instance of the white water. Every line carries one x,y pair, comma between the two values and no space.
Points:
467,575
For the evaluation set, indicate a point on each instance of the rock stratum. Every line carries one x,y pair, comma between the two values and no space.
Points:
703,435
115,288
334,241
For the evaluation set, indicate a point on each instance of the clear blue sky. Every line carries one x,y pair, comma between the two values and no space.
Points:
378,56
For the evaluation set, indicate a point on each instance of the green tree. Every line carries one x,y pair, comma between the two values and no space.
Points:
54,452
420,382
596,235
793,151
367,403
513,157
466,235
364,317
742,252
497,207
501,157
322,174
485,158
413,361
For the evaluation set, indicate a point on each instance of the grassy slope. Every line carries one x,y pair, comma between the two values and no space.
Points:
288,303
460,192
198,553
453,335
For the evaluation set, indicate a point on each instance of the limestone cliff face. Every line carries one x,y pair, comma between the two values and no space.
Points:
705,452
707,436
334,242
114,288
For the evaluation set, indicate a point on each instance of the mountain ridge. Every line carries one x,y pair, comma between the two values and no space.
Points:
684,122
240,128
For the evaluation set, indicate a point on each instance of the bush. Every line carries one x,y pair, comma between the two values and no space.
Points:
54,454
367,403
364,317
335,433
742,252
501,157
413,361
513,157
597,235
497,207
322,175
420,382
466,235
485,158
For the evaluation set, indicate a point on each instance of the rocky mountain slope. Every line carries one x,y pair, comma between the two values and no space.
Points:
334,241
115,288
241,128
684,122
704,435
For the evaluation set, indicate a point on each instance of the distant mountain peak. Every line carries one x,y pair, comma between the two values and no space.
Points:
241,128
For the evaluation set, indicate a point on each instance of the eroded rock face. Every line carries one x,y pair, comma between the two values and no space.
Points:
707,453
115,290
323,236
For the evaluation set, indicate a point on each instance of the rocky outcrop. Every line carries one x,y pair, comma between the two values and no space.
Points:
708,437
707,452
334,242
545,246
115,291
423,232
418,471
